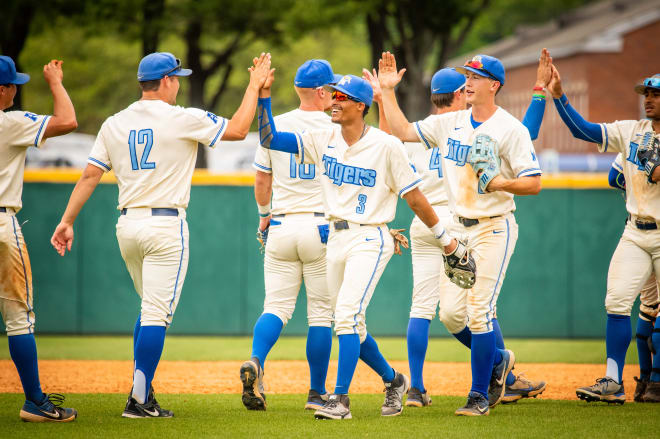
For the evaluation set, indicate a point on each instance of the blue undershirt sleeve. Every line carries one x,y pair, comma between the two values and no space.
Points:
269,137
616,179
534,117
580,128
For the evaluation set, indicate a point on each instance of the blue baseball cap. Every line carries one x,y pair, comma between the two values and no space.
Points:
158,65
314,73
447,81
8,73
653,83
355,87
484,65
337,78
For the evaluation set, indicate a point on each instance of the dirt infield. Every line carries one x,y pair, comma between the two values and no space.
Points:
67,376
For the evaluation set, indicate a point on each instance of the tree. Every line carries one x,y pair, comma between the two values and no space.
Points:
423,35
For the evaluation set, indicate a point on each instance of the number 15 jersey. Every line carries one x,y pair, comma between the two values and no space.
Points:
152,148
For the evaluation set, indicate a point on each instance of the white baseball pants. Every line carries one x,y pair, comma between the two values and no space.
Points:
294,252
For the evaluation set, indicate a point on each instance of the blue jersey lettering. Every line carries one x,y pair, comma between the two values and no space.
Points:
340,173
457,152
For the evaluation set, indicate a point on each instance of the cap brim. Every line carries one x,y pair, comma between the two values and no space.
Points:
343,90
464,70
641,89
336,79
183,72
21,78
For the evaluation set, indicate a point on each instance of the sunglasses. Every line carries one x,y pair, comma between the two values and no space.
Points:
174,69
652,82
479,66
340,97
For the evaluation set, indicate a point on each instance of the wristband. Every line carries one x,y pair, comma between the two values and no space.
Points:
441,234
538,89
264,211
538,96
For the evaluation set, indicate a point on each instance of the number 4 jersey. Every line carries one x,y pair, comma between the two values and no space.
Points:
296,186
360,183
152,148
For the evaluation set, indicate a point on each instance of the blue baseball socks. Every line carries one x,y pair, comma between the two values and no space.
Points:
23,351
618,335
644,331
148,349
370,354
319,345
349,353
266,332
483,354
418,341
655,374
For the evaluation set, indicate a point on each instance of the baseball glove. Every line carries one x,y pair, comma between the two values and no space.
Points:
262,237
460,267
399,240
484,159
648,155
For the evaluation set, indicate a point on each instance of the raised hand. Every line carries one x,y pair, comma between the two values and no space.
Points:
544,71
372,78
388,76
53,72
62,238
260,72
555,83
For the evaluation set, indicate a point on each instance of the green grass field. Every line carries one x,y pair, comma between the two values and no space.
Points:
224,415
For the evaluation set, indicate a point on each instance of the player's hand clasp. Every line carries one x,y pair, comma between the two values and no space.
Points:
460,266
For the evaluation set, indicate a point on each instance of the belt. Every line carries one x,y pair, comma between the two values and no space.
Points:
3,209
345,225
469,222
282,215
644,225
158,211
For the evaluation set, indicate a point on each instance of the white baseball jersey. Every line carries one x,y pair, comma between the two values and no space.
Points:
18,131
296,186
152,147
428,164
626,137
618,162
360,183
454,134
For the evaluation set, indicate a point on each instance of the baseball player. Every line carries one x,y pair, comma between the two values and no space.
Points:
636,256
481,198
297,232
152,146
18,131
364,171
648,308
431,288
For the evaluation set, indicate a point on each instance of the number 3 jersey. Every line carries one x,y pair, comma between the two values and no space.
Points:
18,131
152,146
454,134
360,183
626,137
296,186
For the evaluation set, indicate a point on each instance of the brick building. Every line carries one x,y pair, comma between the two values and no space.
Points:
601,50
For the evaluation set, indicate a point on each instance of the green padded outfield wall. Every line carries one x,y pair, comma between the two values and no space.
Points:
555,286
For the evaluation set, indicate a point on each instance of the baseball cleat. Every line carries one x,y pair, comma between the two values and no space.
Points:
315,400
522,388
252,376
48,410
336,407
652,393
498,377
417,398
477,405
150,409
394,391
605,390
640,388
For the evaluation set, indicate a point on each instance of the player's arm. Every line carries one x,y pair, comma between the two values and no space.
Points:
422,208
388,78
63,236
269,137
238,126
263,190
579,127
534,115
616,179
372,78
63,120
528,185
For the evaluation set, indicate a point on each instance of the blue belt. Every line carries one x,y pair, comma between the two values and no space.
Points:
282,215
158,211
3,209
